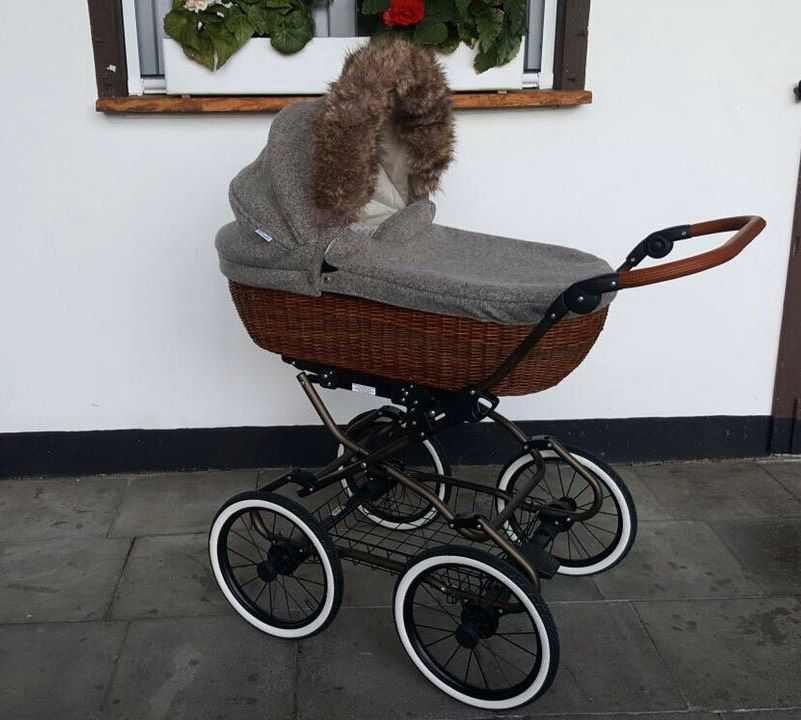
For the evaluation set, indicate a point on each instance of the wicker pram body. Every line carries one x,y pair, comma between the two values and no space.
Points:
438,351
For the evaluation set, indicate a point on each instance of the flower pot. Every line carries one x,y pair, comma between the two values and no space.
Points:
258,69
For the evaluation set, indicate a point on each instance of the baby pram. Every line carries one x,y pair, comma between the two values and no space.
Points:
335,263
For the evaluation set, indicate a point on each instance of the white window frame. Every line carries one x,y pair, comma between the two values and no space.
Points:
156,85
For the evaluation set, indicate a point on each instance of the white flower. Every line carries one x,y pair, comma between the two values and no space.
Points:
198,5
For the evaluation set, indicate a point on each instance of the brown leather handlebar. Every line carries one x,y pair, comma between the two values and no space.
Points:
747,227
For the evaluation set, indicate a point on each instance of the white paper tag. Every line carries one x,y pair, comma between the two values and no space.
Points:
263,235
365,389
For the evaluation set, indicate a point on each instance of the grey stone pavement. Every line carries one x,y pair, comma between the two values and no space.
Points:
108,610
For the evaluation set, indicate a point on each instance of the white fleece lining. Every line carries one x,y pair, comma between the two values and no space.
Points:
391,191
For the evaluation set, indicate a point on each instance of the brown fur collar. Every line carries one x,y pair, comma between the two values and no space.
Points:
386,80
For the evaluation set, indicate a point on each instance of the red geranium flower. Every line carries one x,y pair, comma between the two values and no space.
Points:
403,12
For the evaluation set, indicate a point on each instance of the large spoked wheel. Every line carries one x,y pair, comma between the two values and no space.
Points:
585,547
385,501
275,564
476,628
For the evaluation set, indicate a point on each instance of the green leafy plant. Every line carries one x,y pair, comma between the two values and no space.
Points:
495,27
211,31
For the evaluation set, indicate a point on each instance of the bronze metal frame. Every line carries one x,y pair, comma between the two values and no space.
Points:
357,458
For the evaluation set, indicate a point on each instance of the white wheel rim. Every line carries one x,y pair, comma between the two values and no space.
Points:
402,589
214,537
420,522
607,481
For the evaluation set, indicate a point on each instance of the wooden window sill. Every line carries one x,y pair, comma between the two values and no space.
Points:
273,103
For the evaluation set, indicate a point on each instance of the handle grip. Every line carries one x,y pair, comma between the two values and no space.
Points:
747,228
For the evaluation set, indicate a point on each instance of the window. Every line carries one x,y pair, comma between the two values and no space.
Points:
335,19
126,38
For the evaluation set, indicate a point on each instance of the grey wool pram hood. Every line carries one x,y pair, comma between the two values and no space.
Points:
305,208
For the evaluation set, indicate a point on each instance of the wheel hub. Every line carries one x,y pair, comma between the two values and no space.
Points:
372,485
564,504
477,623
283,558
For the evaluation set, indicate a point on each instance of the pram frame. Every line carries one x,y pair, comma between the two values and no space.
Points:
429,411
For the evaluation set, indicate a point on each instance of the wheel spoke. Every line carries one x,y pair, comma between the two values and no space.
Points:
506,660
572,533
431,595
256,599
252,539
448,661
597,527
561,484
244,557
467,671
439,640
250,542
517,645
602,545
572,480
480,668
433,627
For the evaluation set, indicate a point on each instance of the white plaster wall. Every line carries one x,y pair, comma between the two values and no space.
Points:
113,313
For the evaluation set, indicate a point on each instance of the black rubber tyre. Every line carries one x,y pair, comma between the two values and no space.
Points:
480,603
398,508
297,587
587,547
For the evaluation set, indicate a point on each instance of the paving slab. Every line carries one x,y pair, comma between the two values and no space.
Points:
787,473
168,576
357,668
769,550
648,507
58,508
787,714
177,503
612,661
677,559
211,668
365,587
56,670
368,588
730,654
57,580
679,715
570,588
718,490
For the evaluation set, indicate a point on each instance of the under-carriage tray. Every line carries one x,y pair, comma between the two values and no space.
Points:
363,538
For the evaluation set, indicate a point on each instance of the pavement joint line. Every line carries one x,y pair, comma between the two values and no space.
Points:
790,490
674,680
295,679
748,573
356,608
759,709
62,622
782,596
107,613
114,669
116,514
644,714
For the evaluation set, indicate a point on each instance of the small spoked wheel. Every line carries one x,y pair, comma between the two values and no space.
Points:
385,501
587,546
476,628
275,564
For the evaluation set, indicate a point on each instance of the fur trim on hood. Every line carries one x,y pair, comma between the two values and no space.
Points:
387,80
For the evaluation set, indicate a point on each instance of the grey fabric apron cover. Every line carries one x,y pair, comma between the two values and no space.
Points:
409,261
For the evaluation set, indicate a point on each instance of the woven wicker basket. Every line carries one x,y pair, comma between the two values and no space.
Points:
438,351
